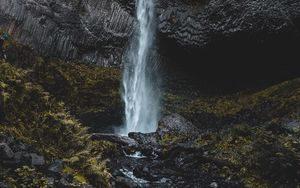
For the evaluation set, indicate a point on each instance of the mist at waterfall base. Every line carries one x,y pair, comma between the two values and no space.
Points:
140,83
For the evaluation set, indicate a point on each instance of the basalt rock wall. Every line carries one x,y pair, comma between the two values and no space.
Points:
232,39
209,37
89,30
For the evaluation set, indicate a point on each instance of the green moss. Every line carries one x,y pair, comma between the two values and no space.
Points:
169,139
26,177
85,89
40,103
251,144
275,102
258,156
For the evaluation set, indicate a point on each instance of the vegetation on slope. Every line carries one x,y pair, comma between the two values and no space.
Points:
90,92
271,103
47,104
35,100
252,137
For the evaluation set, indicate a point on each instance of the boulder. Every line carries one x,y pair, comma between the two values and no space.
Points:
292,125
174,124
57,166
144,138
4,185
125,182
21,157
5,152
37,160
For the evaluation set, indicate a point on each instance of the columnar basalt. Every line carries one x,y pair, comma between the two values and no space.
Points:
92,31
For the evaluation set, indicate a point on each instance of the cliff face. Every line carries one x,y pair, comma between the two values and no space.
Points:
236,39
198,23
89,30
190,31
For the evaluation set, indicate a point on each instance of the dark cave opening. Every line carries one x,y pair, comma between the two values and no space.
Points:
234,63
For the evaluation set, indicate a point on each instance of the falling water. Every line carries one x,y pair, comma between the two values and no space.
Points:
141,94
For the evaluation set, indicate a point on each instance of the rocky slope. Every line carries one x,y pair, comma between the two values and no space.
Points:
43,105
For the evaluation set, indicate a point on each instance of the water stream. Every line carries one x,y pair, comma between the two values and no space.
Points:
140,90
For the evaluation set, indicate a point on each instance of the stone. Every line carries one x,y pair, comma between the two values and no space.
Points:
122,140
37,160
5,152
50,181
68,177
292,125
23,146
18,156
213,185
125,182
175,123
64,183
164,180
4,185
144,138
57,166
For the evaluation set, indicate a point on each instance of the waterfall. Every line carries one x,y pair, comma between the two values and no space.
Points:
140,90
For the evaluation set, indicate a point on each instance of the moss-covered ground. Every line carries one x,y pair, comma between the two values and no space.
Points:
49,104
254,134
42,101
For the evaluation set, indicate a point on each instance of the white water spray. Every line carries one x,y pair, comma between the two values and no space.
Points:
141,94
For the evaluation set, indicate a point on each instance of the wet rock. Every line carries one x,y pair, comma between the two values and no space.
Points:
213,185
164,180
148,144
57,166
18,156
122,182
68,177
9,140
142,138
292,125
174,124
37,160
175,165
4,185
5,152
22,157
23,146
122,140
51,181
64,183
144,172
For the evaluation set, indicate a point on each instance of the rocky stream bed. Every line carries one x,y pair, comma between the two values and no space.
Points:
143,160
